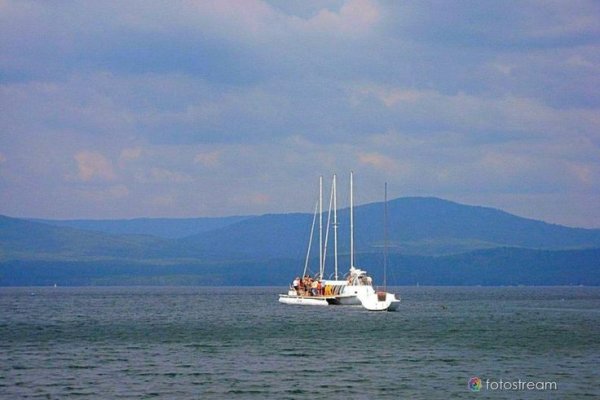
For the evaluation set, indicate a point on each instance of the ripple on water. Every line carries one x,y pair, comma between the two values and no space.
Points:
119,343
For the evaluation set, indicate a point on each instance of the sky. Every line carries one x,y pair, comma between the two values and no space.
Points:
113,109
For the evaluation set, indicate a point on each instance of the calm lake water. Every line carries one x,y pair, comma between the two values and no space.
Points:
181,342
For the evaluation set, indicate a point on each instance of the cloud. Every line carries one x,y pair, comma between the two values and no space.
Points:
354,17
531,25
94,166
482,118
260,198
583,173
225,41
559,20
378,161
470,100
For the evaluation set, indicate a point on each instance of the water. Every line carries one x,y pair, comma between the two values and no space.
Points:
131,342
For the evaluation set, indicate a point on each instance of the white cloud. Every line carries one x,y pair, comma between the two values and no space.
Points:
258,21
378,161
583,173
354,17
93,165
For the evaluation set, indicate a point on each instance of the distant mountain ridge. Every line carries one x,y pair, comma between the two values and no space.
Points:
23,239
167,228
424,232
418,218
417,225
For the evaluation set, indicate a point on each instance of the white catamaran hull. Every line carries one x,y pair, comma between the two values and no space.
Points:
379,301
345,294
365,295
300,300
349,300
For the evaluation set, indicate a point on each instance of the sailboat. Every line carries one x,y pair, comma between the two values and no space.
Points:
356,288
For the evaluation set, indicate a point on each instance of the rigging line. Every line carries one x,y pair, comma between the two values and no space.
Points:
327,231
320,223
385,239
312,231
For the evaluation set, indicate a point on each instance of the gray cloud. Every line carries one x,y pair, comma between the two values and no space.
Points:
184,108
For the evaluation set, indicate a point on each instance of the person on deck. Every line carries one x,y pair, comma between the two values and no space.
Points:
296,285
314,289
302,287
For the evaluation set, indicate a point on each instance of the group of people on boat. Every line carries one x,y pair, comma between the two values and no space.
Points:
307,286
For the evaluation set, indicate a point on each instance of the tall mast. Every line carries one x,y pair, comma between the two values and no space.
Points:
385,238
320,223
335,226
351,220
312,231
326,243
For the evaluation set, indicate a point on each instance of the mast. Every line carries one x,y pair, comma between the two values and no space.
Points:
320,223
312,230
335,226
326,244
385,239
351,220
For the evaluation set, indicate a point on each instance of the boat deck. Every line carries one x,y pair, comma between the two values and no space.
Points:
326,297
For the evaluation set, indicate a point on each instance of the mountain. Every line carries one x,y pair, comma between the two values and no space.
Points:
417,225
167,228
266,236
25,240
432,241
439,224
